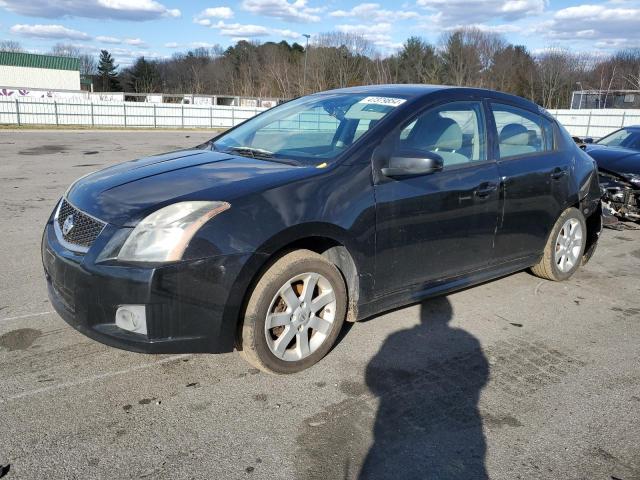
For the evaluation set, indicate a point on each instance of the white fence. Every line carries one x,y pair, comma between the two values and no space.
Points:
596,123
44,111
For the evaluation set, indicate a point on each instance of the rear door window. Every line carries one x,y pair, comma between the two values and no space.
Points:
521,132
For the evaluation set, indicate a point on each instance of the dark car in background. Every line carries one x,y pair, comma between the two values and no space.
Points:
618,159
331,207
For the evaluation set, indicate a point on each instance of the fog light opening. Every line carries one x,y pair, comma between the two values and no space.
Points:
132,318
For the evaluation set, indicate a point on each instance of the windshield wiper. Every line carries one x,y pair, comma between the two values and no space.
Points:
254,152
260,154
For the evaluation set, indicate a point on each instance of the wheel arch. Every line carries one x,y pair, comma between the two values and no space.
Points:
593,222
329,241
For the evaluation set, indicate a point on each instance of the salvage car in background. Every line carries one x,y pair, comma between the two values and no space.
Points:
339,205
618,159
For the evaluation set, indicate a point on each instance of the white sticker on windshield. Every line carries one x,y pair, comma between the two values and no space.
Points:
388,101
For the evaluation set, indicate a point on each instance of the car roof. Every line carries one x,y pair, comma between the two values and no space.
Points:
422,90
412,90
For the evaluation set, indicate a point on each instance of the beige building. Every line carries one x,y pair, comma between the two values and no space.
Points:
30,71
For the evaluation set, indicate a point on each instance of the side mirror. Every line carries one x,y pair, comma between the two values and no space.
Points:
587,140
413,163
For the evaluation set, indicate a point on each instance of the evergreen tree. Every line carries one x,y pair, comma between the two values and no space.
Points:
418,63
107,76
143,76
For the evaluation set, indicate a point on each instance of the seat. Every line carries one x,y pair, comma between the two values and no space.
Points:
438,134
514,140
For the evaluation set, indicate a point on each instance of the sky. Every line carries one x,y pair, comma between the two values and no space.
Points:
160,28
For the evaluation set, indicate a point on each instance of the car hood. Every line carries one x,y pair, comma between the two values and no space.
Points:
125,193
615,159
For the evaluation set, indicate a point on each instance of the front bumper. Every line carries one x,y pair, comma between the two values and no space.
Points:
190,306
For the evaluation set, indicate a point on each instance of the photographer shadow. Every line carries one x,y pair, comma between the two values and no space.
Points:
428,381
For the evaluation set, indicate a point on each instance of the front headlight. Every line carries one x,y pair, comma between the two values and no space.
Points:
164,235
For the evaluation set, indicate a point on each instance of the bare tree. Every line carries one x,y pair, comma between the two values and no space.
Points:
11,46
466,56
629,62
513,70
558,73
88,65
65,50
345,55
461,59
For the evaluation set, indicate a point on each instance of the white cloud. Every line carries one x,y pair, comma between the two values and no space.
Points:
380,36
137,10
616,43
606,25
126,56
373,12
218,12
297,11
203,45
483,27
171,45
134,41
364,29
106,39
290,34
240,30
137,42
243,31
466,12
375,23
49,31
204,17
123,56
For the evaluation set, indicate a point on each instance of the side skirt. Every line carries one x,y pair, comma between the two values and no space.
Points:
418,293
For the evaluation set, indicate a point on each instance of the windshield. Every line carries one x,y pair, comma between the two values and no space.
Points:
626,138
309,130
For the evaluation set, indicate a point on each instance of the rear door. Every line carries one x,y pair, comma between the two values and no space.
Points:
534,179
438,225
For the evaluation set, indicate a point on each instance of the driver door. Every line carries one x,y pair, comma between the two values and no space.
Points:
442,224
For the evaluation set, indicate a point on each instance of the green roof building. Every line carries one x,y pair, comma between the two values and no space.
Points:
31,71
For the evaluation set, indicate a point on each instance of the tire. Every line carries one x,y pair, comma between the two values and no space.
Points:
556,263
291,313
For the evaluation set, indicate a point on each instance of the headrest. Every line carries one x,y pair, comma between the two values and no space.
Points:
436,132
514,134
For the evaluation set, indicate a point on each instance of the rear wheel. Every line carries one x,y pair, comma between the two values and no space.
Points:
565,247
294,314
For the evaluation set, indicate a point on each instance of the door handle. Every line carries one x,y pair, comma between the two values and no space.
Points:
558,173
485,189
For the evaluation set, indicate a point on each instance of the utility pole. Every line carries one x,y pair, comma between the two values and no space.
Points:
304,74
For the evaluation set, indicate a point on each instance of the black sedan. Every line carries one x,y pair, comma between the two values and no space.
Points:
331,207
618,159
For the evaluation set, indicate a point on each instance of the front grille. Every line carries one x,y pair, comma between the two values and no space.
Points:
83,229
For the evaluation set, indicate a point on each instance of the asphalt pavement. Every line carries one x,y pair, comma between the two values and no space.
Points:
516,378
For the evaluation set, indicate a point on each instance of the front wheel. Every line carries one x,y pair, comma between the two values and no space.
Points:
294,314
565,247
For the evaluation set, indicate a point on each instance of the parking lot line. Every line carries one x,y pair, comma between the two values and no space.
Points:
92,379
18,317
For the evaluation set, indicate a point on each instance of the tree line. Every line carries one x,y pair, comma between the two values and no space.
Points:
468,56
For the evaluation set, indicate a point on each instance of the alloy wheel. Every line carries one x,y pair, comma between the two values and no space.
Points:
300,316
568,245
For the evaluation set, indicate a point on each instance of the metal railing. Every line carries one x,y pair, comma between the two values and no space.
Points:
34,111
45,111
